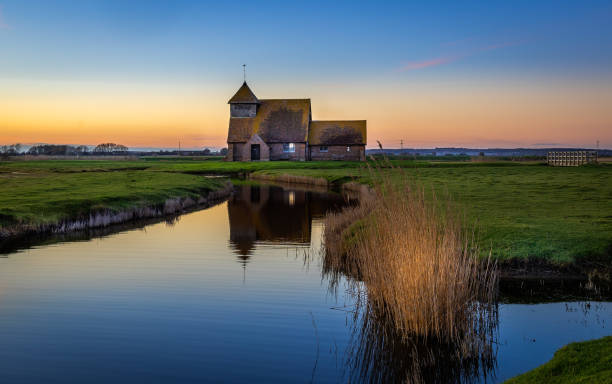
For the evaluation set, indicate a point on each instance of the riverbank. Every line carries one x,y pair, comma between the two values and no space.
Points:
37,201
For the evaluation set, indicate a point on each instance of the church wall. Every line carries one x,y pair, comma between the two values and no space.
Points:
264,150
276,152
243,110
242,151
338,152
234,151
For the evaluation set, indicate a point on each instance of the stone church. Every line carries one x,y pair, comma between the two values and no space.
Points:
283,129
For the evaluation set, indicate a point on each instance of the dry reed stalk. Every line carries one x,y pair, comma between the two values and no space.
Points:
420,269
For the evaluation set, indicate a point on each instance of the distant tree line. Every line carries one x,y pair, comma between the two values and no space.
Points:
58,150
208,152
9,150
98,150
63,150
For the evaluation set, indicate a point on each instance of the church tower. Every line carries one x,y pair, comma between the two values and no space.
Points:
244,103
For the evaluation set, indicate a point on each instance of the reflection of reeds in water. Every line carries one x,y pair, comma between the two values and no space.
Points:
426,303
378,354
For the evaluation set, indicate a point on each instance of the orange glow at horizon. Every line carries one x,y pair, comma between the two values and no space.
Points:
504,114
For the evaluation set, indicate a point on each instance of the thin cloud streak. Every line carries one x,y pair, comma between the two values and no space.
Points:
411,66
428,63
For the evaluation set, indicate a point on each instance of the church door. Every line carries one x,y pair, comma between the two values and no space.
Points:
255,152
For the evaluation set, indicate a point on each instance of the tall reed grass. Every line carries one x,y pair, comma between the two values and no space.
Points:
414,266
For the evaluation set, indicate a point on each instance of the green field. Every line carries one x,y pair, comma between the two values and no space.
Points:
33,195
587,362
520,210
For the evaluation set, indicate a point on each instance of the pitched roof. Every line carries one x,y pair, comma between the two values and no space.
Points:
277,121
244,95
331,132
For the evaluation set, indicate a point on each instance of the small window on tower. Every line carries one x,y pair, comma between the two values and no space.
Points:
348,149
324,148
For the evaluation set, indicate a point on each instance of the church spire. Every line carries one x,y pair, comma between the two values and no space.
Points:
244,96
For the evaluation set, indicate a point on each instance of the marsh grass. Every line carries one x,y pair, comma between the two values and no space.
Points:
414,267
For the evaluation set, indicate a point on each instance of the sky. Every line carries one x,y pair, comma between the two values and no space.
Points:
425,74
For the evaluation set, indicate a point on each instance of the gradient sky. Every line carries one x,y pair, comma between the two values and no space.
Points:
151,73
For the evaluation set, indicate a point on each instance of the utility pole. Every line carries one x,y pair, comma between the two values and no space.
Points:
402,144
179,149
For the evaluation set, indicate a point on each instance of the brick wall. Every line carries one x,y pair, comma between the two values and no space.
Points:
338,152
276,152
242,151
234,151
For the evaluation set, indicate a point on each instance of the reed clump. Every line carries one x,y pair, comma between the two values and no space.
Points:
416,265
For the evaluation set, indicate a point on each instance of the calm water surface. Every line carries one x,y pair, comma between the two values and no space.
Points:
233,293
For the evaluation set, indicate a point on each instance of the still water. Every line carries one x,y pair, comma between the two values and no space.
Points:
232,293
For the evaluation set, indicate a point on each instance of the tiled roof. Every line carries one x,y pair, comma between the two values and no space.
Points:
243,96
277,121
331,132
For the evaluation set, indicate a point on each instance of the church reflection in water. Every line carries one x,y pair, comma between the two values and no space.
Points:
274,215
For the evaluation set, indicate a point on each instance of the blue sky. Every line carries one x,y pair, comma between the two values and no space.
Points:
331,50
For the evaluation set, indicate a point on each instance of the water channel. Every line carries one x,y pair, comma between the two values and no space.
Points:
231,293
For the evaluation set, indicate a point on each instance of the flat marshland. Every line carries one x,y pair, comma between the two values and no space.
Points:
521,211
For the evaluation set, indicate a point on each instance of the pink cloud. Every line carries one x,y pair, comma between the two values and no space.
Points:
414,65
428,63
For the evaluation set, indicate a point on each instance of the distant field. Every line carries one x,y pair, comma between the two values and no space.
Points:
521,210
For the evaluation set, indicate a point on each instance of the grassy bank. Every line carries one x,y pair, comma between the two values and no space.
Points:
39,196
586,362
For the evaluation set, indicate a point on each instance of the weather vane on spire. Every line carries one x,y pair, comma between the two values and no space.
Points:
244,71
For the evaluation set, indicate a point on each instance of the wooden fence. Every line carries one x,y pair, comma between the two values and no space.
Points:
571,158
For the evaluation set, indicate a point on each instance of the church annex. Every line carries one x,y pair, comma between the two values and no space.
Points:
283,129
